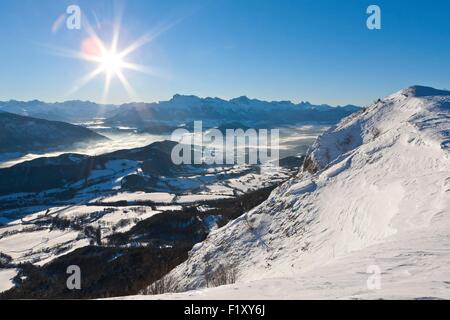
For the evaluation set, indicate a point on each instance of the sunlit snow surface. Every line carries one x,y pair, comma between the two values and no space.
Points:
380,199
6,277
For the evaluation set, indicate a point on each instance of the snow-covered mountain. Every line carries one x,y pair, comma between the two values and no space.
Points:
374,196
24,134
188,108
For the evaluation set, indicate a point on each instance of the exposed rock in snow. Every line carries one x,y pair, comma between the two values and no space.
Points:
375,192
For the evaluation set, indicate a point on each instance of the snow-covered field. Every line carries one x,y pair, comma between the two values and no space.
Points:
159,197
40,246
6,276
40,233
26,241
369,218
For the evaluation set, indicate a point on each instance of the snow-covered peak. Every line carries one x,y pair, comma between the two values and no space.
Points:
375,192
422,91
415,106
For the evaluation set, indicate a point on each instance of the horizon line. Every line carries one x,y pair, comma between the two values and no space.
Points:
182,95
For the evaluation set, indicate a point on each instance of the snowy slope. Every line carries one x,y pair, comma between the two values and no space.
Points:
375,192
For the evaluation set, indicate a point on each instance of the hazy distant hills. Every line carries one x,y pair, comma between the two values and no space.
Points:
181,109
24,134
54,172
68,111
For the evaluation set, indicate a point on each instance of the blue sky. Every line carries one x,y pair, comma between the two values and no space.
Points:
300,50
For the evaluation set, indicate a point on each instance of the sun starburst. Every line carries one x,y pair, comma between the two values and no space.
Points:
109,60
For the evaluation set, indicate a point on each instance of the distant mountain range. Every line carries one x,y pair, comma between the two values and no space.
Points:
181,109
189,108
69,111
32,126
25,134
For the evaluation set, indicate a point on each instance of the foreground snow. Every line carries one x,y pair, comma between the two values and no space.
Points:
408,272
6,279
375,197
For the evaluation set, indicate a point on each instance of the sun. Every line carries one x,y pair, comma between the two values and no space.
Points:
111,62
109,59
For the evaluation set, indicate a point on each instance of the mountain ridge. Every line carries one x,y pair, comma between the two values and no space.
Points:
174,97
190,108
186,107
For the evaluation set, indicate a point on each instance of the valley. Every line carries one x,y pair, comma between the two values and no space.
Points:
108,202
